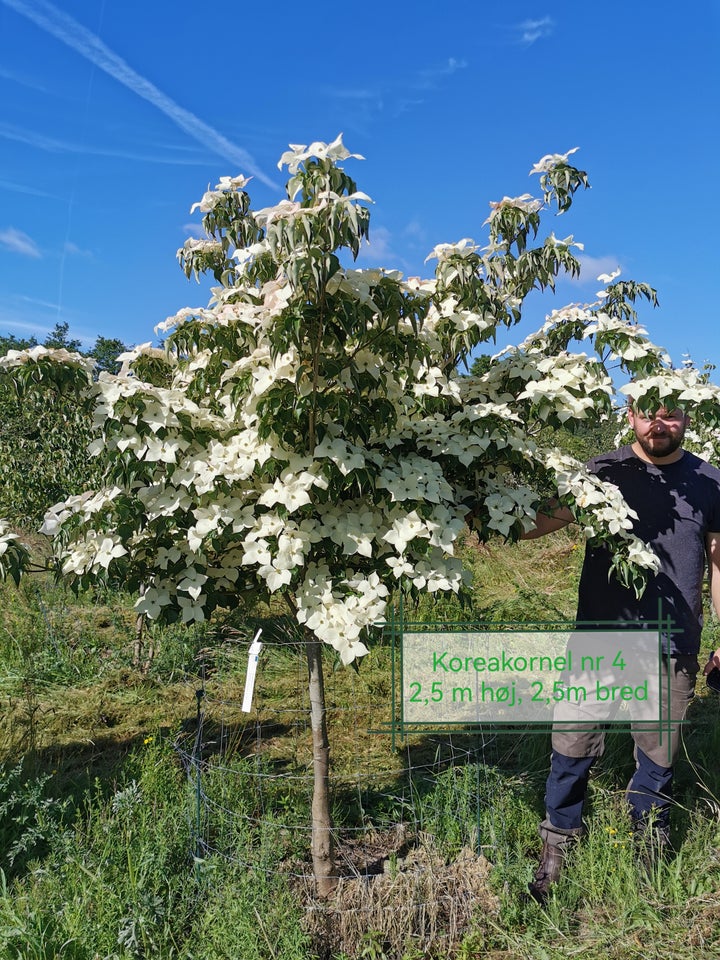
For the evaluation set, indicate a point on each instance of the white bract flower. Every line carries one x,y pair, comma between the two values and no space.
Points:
54,519
210,200
415,478
552,160
6,537
200,245
229,184
338,610
357,283
404,529
439,573
400,566
19,358
192,582
285,210
642,555
444,251
274,577
92,553
299,153
526,204
354,531
212,197
291,490
282,367
191,611
347,457
155,597
256,552
163,451
109,549
501,510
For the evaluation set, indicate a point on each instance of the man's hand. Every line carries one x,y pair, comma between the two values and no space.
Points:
713,662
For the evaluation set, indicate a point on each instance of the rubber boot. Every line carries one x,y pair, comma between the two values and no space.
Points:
548,872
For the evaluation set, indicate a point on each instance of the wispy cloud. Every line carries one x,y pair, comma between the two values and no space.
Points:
431,75
415,229
18,242
405,104
52,145
22,80
414,235
531,30
592,267
13,187
193,230
91,47
9,324
379,247
45,304
380,252
357,93
73,250
10,132
399,96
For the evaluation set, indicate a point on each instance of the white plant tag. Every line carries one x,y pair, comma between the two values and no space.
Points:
253,656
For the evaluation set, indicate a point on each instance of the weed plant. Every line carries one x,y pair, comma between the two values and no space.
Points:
28,818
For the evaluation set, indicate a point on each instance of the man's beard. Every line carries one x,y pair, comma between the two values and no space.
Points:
663,445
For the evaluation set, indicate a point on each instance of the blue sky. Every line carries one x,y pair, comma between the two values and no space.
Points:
116,115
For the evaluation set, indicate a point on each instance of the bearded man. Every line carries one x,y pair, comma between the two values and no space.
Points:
676,497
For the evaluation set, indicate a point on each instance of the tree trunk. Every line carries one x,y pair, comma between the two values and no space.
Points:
322,840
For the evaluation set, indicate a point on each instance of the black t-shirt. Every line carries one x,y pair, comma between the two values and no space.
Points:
677,505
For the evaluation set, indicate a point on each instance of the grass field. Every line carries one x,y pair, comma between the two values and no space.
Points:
142,814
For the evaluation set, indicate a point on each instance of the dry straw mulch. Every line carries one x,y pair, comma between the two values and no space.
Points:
418,902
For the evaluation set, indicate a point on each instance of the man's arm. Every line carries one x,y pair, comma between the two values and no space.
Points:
551,519
712,545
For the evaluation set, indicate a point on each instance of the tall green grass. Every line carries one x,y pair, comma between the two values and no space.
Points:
119,879
122,837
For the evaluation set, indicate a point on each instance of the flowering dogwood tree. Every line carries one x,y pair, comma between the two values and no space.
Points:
310,435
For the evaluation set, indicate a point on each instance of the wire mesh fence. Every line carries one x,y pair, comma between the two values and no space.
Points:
417,820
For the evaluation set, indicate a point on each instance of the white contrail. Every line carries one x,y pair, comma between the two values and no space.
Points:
88,45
